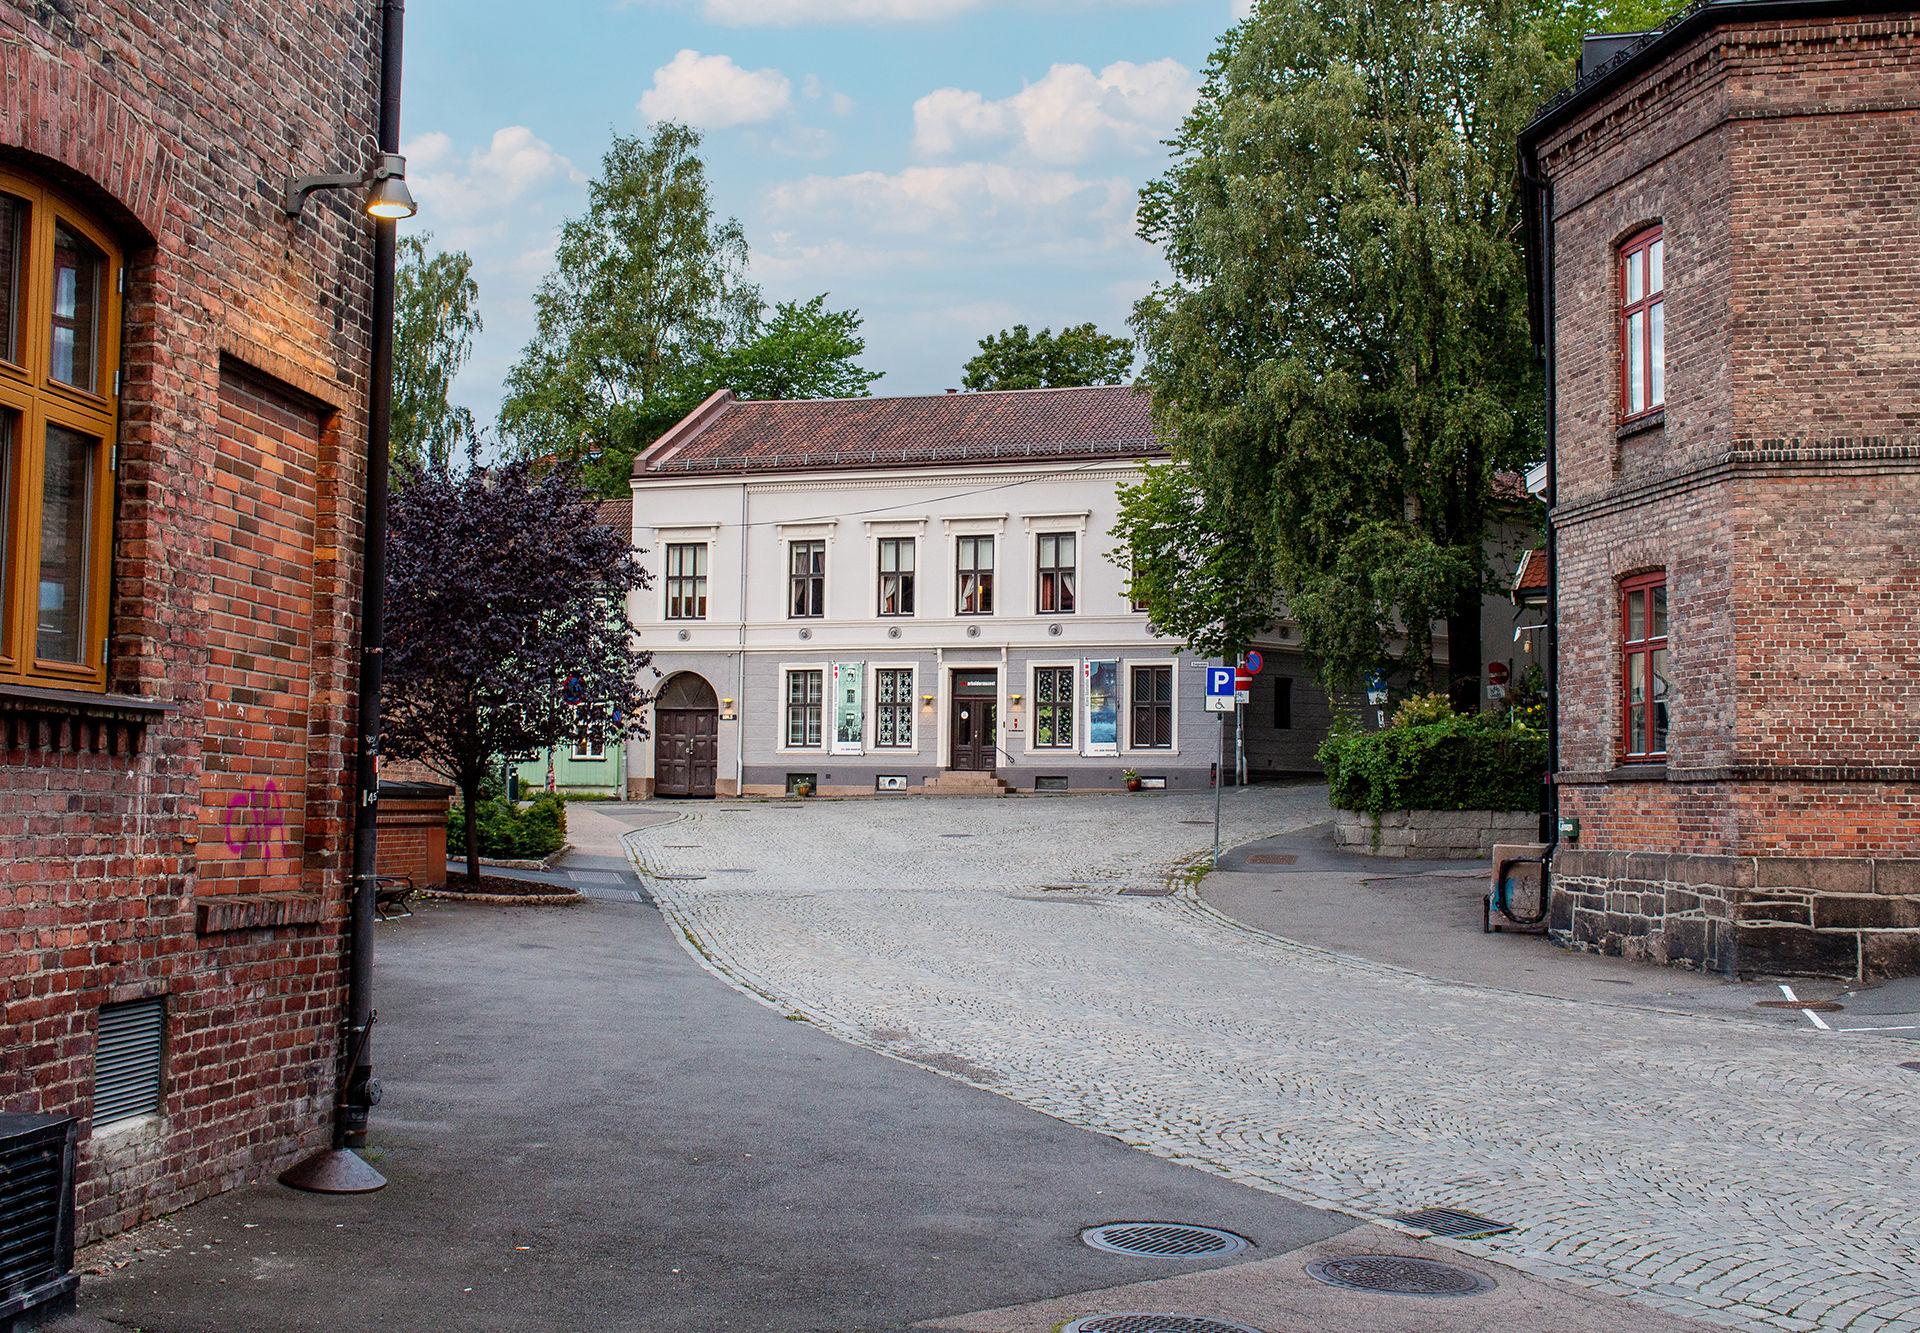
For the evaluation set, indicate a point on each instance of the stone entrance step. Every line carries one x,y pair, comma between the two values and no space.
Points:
957,783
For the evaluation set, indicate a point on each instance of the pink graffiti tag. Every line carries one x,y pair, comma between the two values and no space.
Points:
253,820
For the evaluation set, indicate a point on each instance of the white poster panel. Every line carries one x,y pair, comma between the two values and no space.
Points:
1101,690
849,707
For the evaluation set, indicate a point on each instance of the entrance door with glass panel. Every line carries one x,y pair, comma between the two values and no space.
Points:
972,721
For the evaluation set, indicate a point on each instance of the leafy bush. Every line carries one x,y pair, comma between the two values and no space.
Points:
510,834
1476,762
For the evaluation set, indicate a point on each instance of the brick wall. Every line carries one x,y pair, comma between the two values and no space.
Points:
131,868
1777,490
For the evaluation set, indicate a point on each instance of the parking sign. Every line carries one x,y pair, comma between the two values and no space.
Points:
1220,682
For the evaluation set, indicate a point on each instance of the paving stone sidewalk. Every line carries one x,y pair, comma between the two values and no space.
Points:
1724,1170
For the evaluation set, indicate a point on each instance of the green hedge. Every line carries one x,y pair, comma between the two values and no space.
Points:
1454,763
508,834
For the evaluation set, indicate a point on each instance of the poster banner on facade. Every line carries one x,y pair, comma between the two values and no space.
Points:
1103,708
849,707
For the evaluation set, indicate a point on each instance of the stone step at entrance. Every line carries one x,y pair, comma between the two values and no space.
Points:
955,782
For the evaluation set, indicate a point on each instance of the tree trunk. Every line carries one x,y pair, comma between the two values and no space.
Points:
470,797
1463,652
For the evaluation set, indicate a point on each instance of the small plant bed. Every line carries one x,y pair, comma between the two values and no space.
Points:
500,888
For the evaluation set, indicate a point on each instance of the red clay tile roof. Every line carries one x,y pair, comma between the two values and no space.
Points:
1532,574
726,434
616,514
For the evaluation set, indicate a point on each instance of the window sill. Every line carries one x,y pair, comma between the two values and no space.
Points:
1654,771
1640,425
39,717
218,913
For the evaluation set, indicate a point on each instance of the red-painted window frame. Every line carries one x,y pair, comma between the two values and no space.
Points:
1651,306
1644,658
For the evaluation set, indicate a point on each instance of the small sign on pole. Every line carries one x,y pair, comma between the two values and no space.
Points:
1254,662
1220,689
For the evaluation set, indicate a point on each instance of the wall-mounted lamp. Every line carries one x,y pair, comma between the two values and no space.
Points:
927,699
386,184
726,710
1014,699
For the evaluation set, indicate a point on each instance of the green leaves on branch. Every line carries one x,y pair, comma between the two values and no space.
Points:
648,310
1201,570
1460,762
436,313
1018,359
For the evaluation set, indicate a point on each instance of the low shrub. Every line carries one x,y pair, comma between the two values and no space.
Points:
1453,762
511,834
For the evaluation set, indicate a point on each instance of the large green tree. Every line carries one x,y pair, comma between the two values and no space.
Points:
1341,361
436,313
1017,358
648,309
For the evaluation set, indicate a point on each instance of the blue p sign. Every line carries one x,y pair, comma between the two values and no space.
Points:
1220,680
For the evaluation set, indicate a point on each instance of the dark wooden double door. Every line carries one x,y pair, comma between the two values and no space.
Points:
685,751
972,725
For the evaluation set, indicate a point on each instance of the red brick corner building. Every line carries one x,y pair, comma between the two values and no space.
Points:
1726,270
183,390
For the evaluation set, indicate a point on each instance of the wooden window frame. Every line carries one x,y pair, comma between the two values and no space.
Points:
973,598
1055,591
686,588
895,600
36,401
1638,250
806,589
1649,651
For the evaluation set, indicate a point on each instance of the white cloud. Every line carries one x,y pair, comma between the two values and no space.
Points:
788,13
1242,9
970,204
1068,117
714,93
464,197
818,89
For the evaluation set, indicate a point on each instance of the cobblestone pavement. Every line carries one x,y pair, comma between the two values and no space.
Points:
1731,1171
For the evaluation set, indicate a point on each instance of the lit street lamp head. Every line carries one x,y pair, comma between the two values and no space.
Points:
386,184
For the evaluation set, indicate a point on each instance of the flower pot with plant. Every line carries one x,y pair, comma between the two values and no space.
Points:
1132,776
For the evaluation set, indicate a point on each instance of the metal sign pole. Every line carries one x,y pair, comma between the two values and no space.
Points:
1219,781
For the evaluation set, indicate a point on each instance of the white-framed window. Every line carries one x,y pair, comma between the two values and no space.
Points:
893,708
806,692
1056,573
587,752
973,575
1152,705
806,579
686,581
1055,698
895,555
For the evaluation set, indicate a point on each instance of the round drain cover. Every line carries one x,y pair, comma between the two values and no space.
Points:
1177,1239
1153,1323
1400,1275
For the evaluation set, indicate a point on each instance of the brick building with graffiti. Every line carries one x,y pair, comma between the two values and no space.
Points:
183,425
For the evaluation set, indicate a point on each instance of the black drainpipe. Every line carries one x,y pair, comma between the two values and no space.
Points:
340,1171
1499,899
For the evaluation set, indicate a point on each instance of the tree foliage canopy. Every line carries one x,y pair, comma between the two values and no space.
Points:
506,623
436,313
1019,359
1341,362
648,309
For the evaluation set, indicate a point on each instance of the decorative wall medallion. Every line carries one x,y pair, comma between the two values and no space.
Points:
685,635
1055,630
973,631
893,631
806,634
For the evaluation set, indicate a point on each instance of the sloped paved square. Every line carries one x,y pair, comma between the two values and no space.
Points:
1730,1171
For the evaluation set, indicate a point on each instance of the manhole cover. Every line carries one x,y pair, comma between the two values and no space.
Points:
1400,1275
1272,859
1451,1222
1818,1006
1164,1238
1154,1323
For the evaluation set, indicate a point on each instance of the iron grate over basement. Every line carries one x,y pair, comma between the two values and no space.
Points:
1452,1223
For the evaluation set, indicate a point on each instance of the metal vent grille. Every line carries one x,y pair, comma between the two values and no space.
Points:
1451,1222
126,1061
1177,1239
36,1209
1399,1275
1153,1323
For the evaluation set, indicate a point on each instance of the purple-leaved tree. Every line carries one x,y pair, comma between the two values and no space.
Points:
506,624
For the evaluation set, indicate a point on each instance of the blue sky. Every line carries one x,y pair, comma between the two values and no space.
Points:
947,167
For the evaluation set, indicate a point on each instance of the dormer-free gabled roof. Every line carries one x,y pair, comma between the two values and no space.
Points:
728,434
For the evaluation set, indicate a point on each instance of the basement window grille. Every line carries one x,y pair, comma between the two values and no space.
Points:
127,1060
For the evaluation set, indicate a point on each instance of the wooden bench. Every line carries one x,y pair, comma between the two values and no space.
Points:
390,894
